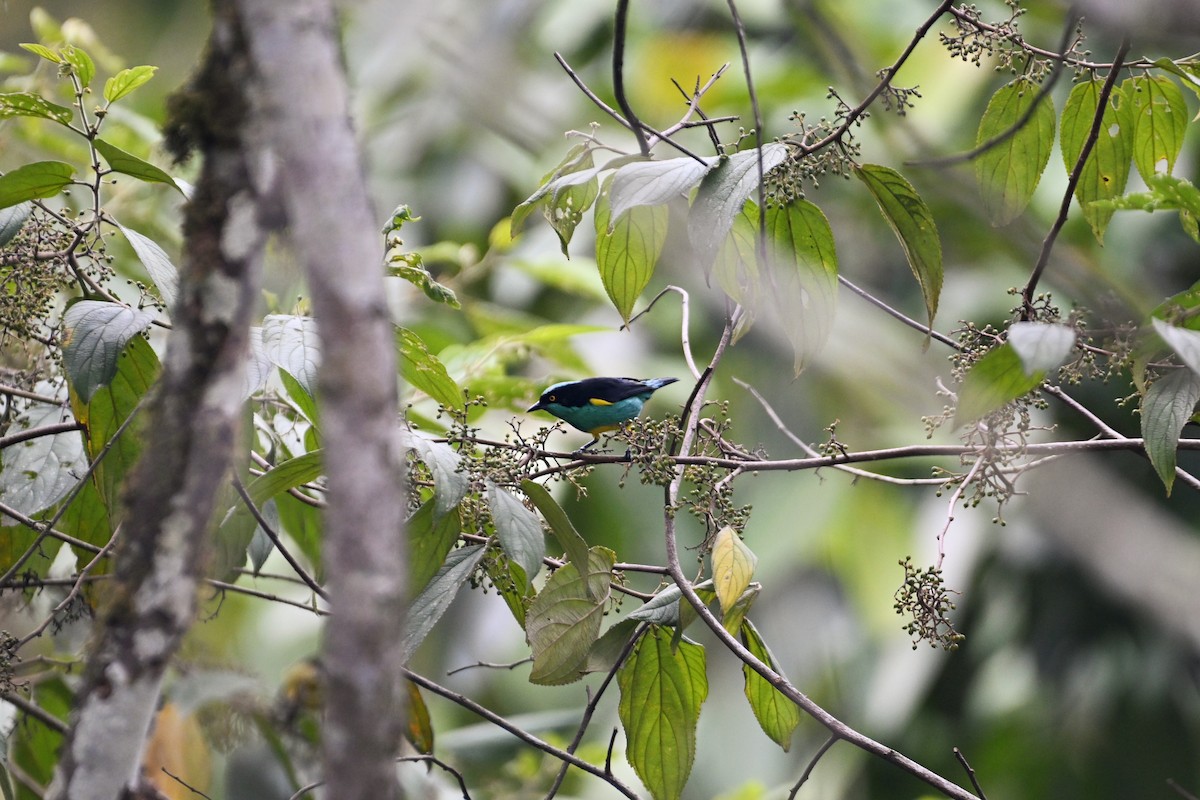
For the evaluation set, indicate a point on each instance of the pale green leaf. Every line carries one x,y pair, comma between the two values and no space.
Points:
1041,345
1008,173
655,183
429,606
722,193
801,276
43,51
34,181
627,250
559,523
1185,343
129,164
776,714
519,531
733,565
430,537
450,482
1160,119
1166,408
662,688
563,621
1107,168
424,371
38,472
912,222
81,62
96,335
292,344
12,219
26,104
158,265
126,81
996,379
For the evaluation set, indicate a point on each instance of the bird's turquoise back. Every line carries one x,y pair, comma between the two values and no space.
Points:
596,405
596,416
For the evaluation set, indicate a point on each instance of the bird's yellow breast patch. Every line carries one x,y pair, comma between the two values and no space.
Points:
596,401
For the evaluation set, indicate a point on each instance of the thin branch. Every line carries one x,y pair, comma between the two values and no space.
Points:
28,395
518,732
36,433
72,594
620,29
898,314
184,784
309,581
233,587
812,763
684,336
490,665
761,191
34,710
1073,181
955,496
1179,790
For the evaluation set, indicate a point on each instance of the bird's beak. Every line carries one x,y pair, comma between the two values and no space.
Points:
535,407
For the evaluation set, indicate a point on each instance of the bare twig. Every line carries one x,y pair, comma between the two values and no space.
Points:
621,27
309,581
970,773
684,335
812,763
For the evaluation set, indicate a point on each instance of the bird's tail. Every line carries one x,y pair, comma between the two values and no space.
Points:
658,383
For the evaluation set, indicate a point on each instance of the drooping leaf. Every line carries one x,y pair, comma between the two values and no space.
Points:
431,604
102,416
733,565
158,265
431,536
912,222
736,267
723,192
662,688
129,164
261,546
664,607
559,523
292,344
996,379
12,219
1040,345
1166,408
423,370
126,81
519,531
450,482
258,366
96,334
1160,119
1184,341
563,621
34,181
776,714
609,647
38,472
418,729
27,104
1008,173
655,183
81,63
1107,168
801,276
628,250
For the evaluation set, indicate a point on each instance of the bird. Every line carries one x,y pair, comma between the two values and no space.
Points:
596,405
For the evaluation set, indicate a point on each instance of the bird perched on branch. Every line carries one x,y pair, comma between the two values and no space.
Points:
596,405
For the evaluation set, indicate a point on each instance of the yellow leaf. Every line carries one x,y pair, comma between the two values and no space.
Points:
177,745
733,566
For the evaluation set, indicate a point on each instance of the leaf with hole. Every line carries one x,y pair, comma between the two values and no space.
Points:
1106,170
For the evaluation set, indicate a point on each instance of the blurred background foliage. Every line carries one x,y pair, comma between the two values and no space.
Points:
1078,675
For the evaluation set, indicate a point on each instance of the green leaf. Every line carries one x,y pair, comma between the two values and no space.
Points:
722,193
81,62
996,379
450,482
431,604
913,224
129,164
568,197
1166,408
431,536
303,523
103,415
34,181
1040,345
39,472
802,276
664,607
519,531
12,219
43,51
304,402
662,688
27,104
566,207
158,265
261,546
1160,119
655,183
292,344
563,621
96,334
608,648
733,565
1185,343
1008,173
776,714
34,747
1107,168
422,370
736,266
559,523
126,81
627,251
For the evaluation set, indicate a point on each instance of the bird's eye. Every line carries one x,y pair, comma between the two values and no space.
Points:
551,399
